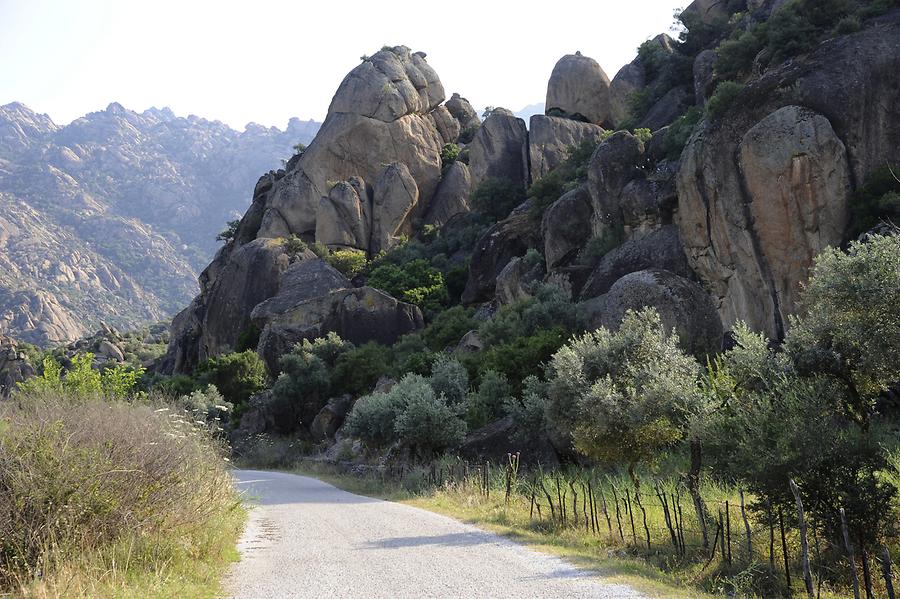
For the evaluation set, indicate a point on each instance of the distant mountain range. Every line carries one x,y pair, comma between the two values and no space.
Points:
110,218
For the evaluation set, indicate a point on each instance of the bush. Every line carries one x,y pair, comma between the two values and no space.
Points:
496,198
236,375
411,355
600,245
622,395
877,200
521,357
564,178
548,307
722,99
294,246
450,379
248,339
489,402
86,482
373,417
356,371
81,379
415,282
349,262
680,132
449,154
851,328
229,232
448,327
301,390
429,425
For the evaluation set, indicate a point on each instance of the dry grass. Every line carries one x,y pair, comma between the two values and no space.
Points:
107,498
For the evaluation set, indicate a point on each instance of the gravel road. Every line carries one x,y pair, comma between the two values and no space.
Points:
306,538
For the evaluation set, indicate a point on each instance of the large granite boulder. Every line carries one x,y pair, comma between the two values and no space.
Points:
301,282
395,199
500,150
770,157
629,80
381,114
344,216
330,418
359,315
515,281
660,249
614,164
578,89
646,205
551,139
501,243
452,195
683,306
14,368
672,105
497,440
566,227
463,112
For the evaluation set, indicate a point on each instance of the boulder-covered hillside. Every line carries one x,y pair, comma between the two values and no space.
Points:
702,180
110,218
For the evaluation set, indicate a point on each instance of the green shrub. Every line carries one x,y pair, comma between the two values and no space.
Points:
644,135
448,327
236,375
300,391
248,339
229,232
877,200
356,371
848,25
450,379
600,245
429,425
680,132
411,355
722,99
373,418
521,357
415,282
850,331
294,246
320,249
564,178
623,395
489,401
449,154
81,379
496,198
349,262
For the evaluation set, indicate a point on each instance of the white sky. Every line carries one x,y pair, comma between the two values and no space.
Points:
268,60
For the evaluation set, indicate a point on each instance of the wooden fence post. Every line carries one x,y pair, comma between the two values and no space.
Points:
804,541
618,517
784,549
631,517
772,537
666,516
637,497
867,573
886,568
722,528
677,501
728,528
746,529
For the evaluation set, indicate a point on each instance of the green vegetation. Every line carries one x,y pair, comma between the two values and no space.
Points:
878,200
229,232
349,262
237,376
81,380
562,179
104,497
496,198
416,282
723,98
294,246
449,154
680,132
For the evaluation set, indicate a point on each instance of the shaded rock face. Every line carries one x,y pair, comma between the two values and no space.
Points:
498,439
704,66
359,315
515,280
384,112
683,306
14,368
330,418
463,112
344,216
668,108
579,89
301,282
627,81
550,140
614,164
566,227
452,197
661,249
769,159
396,196
501,243
500,150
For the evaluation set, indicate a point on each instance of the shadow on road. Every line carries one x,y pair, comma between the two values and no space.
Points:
460,539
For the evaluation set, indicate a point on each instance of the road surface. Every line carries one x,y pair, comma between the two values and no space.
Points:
306,538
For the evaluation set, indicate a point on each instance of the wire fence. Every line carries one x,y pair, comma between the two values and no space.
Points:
711,527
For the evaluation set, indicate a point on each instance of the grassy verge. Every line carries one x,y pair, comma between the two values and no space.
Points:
512,522
109,498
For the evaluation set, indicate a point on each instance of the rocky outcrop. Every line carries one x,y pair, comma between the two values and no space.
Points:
579,89
661,249
499,150
628,80
515,280
463,112
302,281
614,164
566,227
359,315
668,108
551,139
396,196
383,113
765,187
14,367
452,196
704,72
330,418
683,306
501,243
344,216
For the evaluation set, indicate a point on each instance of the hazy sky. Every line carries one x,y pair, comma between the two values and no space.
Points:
269,60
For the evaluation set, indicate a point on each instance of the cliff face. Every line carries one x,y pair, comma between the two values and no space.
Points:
111,217
724,230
